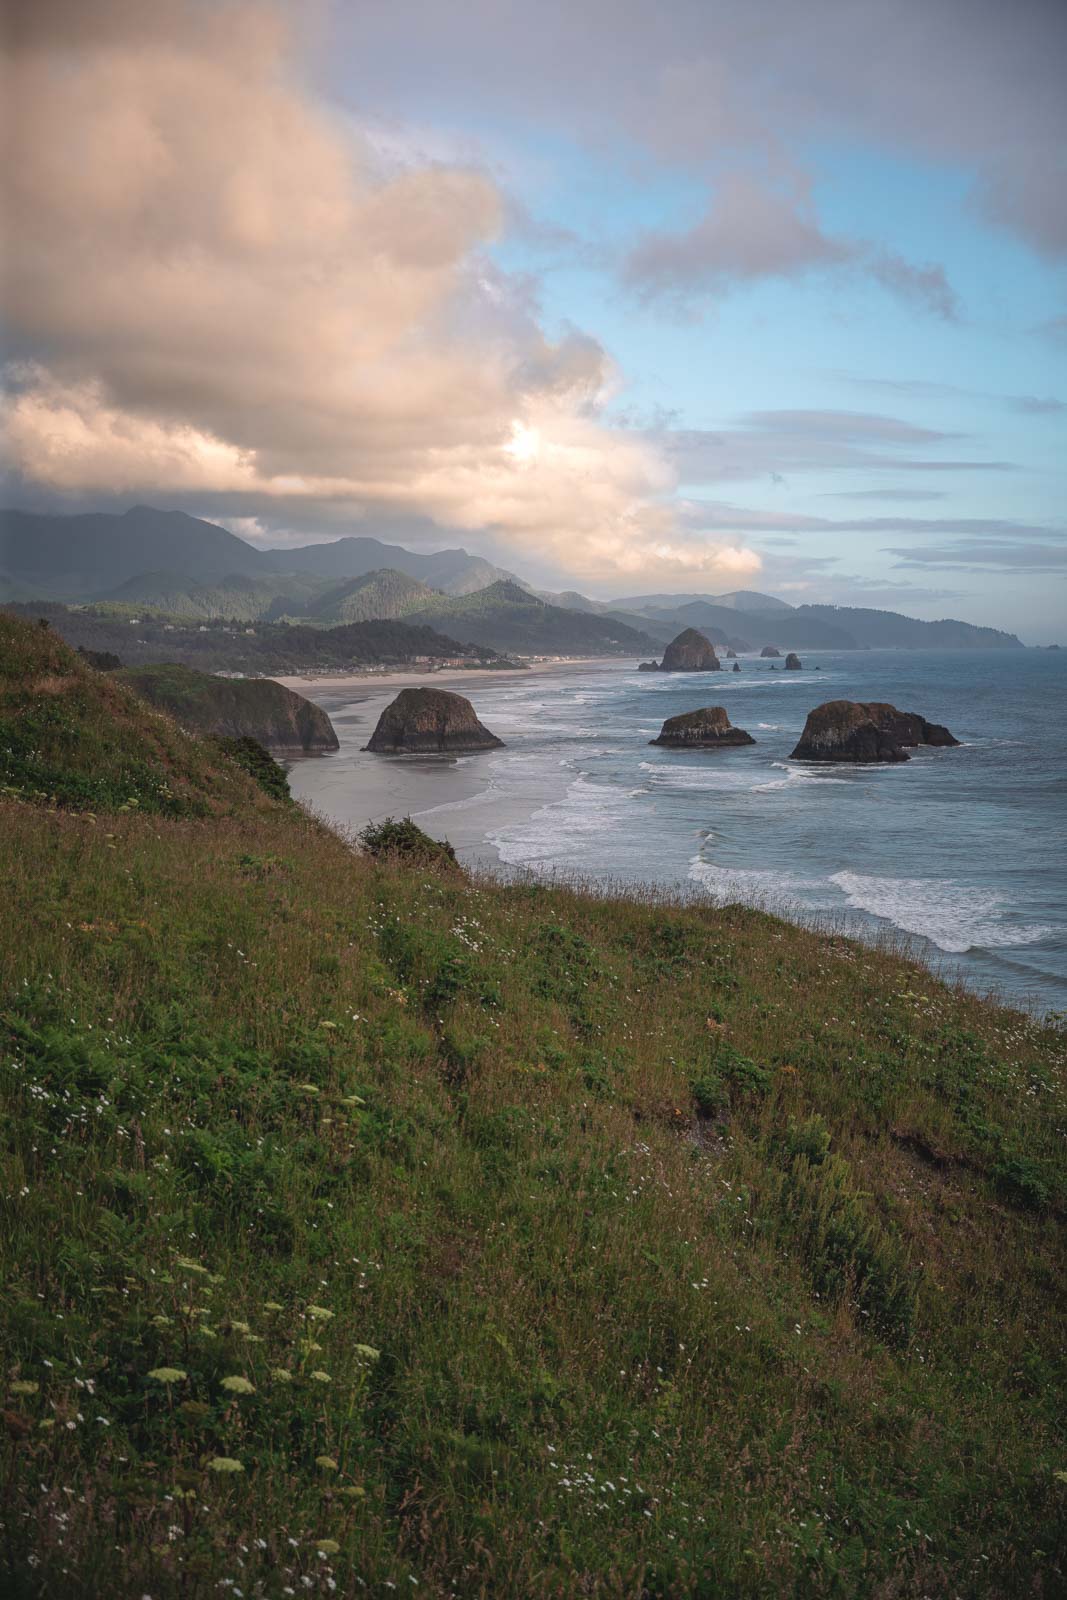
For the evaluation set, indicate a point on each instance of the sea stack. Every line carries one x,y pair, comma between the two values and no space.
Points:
770,650
709,729
430,721
793,662
731,655
849,730
737,666
690,652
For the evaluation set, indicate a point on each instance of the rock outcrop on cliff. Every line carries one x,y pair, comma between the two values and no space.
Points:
708,729
793,662
430,721
852,731
770,650
689,652
278,718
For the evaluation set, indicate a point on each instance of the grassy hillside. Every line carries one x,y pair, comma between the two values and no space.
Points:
507,618
369,1229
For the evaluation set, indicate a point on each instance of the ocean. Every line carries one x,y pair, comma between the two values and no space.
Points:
959,853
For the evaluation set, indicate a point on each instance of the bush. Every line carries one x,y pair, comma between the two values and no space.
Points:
252,758
405,841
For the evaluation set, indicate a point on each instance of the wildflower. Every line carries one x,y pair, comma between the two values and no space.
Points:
327,1024
188,1265
24,1386
168,1374
238,1385
240,1327
327,1463
327,1547
368,1352
281,1375
224,1464
320,1313
273,1305
353,1100
321,1377
353,1492
307,1088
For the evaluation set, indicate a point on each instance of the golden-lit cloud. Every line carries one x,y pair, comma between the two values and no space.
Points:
218,285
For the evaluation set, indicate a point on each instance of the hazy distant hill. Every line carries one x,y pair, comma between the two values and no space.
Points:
376,595
454,571
882,629
737,600
80,557
509,618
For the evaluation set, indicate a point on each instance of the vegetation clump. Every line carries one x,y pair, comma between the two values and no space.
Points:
404,841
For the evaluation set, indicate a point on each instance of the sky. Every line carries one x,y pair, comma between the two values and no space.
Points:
683,298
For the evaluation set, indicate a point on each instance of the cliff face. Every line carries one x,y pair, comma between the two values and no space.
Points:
848,730
235,708
709,729
690,652
431,721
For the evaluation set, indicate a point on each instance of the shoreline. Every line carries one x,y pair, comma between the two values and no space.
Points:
350,683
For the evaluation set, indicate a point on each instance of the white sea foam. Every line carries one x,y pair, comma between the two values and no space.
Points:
954,917
749,886
557,833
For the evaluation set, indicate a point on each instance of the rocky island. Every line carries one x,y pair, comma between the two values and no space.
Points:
852,731
793,662
770,650
430,722
708,729
689,652
278,718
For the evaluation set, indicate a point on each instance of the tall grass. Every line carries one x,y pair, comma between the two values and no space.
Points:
367,1225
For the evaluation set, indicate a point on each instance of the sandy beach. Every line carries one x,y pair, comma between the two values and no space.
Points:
355,685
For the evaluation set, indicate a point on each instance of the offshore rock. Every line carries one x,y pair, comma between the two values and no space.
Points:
737,666
849,730
430,721
793,662
689,652
770,650
709,729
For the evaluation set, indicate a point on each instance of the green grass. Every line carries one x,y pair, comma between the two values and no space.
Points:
648,1251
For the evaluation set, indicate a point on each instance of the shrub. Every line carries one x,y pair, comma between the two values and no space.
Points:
405,841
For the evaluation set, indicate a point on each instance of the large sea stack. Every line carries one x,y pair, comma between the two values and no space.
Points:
430,721
709,729
770,650
690,652
849,730
793,662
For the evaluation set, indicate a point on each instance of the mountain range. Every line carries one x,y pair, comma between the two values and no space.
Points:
170,562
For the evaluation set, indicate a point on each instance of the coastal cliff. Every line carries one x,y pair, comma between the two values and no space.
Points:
278,718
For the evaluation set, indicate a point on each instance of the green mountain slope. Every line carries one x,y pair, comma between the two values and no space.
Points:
370,1228
374,596
508,618
234,597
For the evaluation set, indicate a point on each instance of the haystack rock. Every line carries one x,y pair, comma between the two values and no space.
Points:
690,652
793,662
770,650
731,655
848,730
430,721
709,729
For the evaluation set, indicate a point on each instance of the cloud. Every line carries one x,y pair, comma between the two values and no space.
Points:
219,287
984,555
763,443
752,232
920,388
972,85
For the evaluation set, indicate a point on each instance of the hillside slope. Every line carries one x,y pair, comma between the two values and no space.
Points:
508,618
235,708
372,1229
376,595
